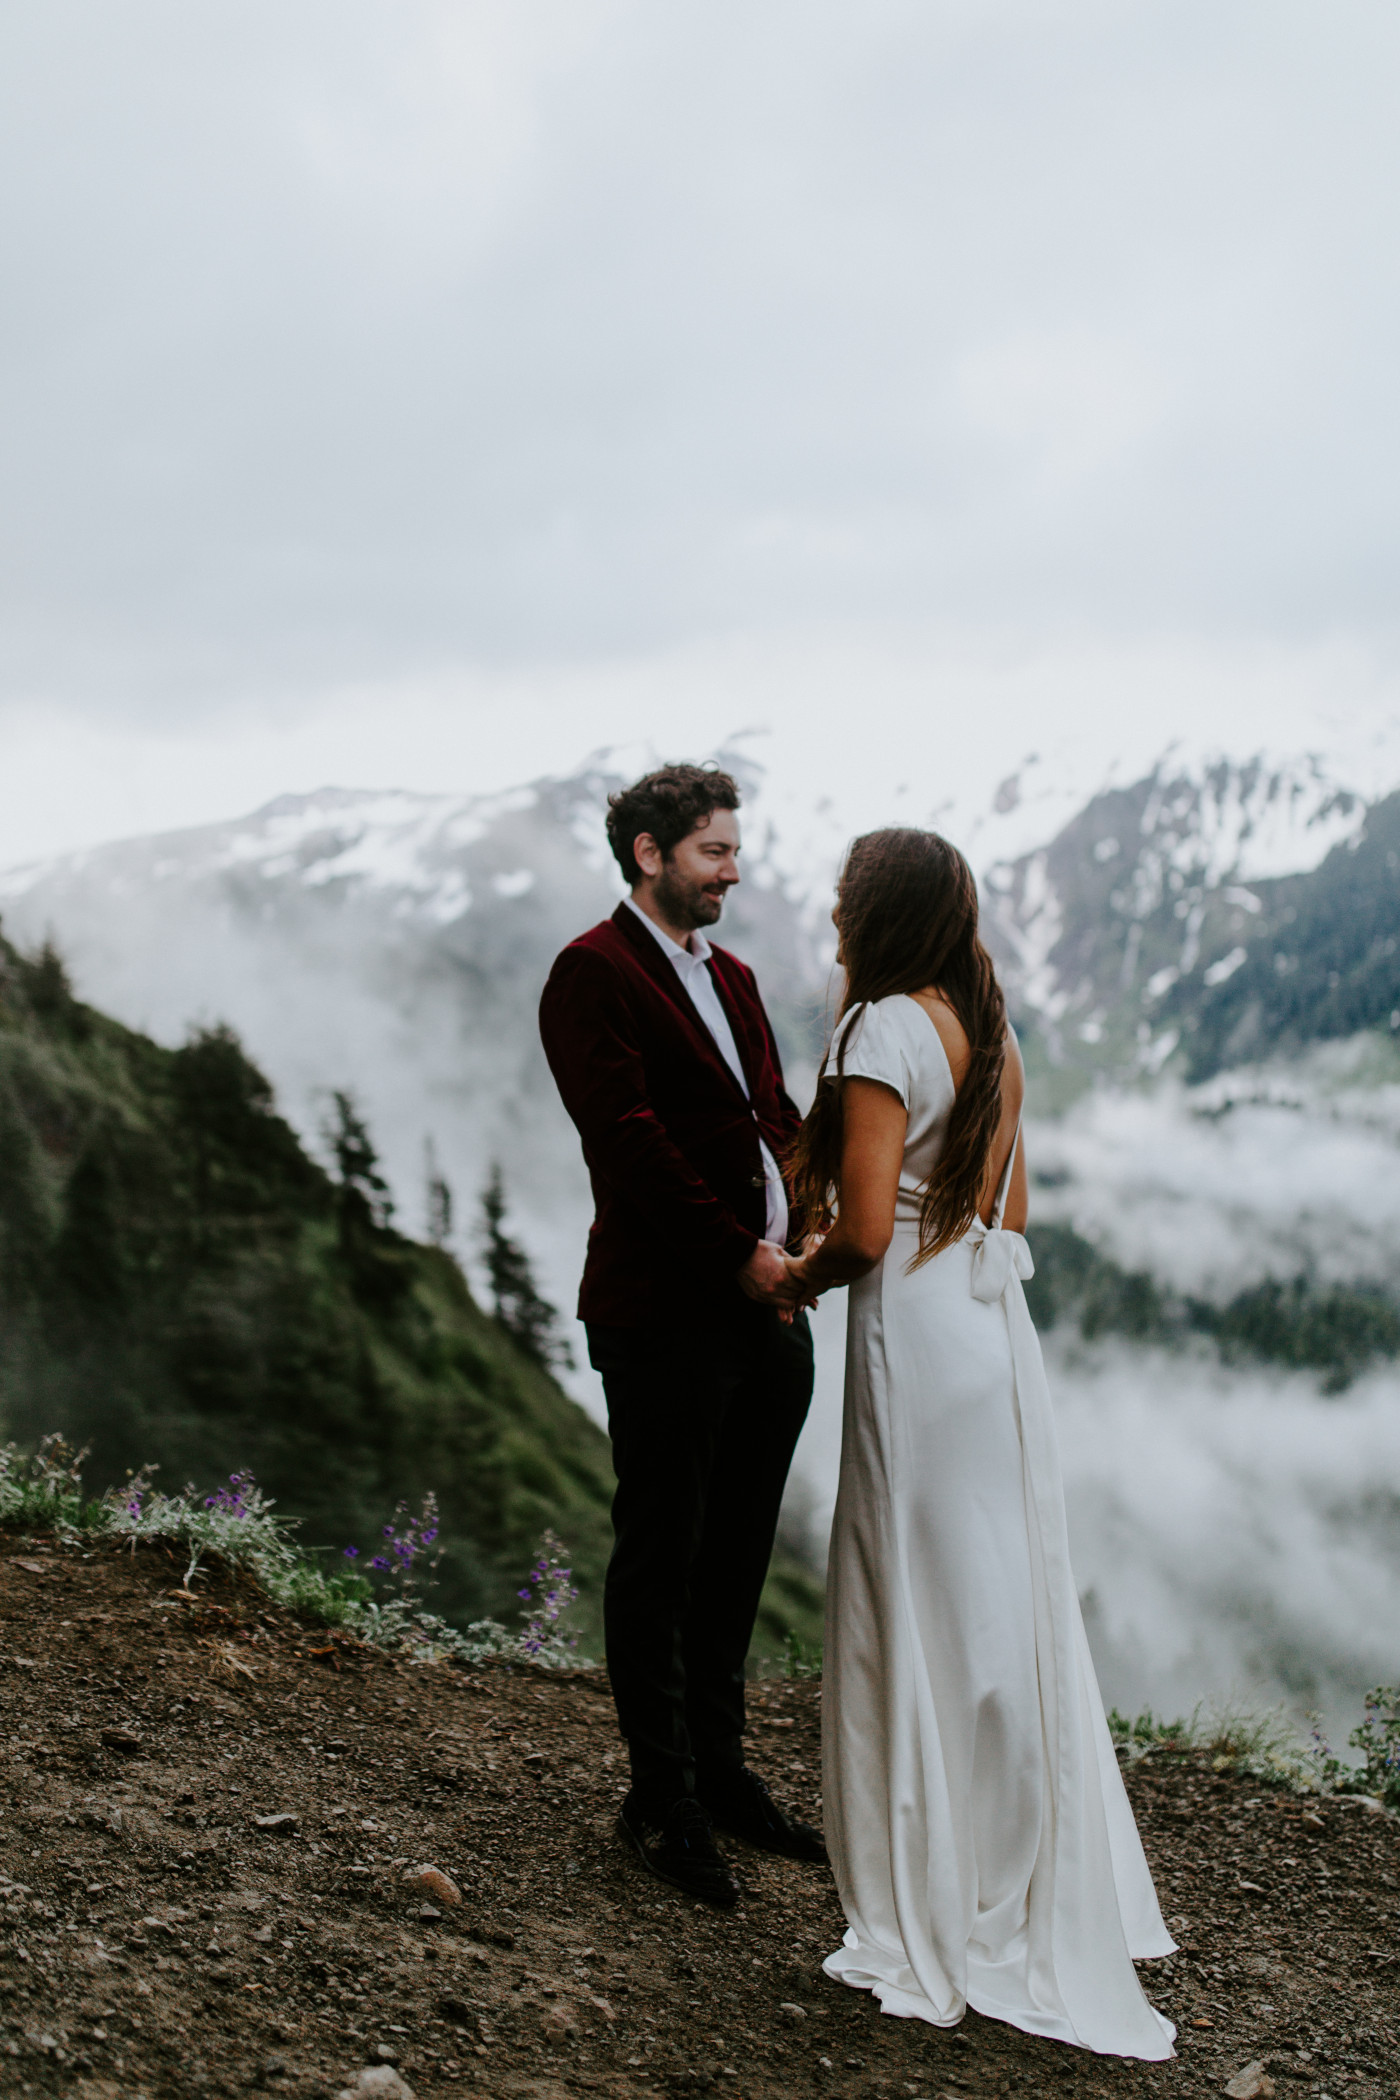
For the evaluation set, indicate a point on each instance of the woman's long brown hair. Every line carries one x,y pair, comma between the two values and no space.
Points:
906,910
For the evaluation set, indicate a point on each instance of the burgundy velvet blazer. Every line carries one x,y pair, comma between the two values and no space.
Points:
670,1141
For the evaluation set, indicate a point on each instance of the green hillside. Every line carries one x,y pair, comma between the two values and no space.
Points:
181,1284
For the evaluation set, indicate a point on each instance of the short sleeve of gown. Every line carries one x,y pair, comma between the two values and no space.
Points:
873,1049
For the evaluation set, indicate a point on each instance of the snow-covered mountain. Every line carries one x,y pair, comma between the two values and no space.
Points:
1203,964
1153,896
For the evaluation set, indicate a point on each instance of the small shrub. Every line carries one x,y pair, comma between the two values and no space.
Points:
799,1658
43,1492
1255,1745
1377,1777
237,1525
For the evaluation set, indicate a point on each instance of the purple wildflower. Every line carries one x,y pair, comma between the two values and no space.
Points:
233,1500
550,1592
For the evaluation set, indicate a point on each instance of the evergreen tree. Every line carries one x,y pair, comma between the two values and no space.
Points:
516,1300
365,1192
439,1198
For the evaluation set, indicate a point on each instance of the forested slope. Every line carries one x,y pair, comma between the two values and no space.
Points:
182,1285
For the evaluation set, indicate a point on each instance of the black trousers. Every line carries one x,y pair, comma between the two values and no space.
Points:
704,1414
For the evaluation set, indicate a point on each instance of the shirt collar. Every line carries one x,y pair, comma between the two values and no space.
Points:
698,952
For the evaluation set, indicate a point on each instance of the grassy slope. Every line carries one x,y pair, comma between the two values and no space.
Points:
181,1284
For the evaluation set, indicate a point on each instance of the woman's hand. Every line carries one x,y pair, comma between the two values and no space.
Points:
797,1265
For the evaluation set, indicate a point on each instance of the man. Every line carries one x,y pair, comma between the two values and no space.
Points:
665,1060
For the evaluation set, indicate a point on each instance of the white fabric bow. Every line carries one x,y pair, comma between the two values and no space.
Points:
997,1256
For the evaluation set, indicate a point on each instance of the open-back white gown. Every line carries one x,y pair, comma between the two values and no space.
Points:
981,1838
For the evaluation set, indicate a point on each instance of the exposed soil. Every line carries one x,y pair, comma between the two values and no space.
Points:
159,1941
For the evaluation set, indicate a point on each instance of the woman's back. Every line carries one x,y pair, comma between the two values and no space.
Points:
915,1044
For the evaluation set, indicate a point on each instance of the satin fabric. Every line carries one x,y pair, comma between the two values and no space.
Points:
980,1835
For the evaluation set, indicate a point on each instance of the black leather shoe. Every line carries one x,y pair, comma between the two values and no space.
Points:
738,1801
678,1845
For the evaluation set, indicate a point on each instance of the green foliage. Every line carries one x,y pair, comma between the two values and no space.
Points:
43,1492
515,1297
1145,1734
1264,1746
1335,1329
799,1658
791,1613
1073,1280
181,1284
1378,1740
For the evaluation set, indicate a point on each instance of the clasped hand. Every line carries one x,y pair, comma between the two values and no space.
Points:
773,1277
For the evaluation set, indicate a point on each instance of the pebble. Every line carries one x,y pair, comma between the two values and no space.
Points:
378,2078
433,1882
1252,2083
285,1822
792,2012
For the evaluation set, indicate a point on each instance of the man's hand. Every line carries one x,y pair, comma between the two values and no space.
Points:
766,1277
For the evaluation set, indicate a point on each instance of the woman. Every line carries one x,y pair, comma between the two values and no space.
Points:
981,1838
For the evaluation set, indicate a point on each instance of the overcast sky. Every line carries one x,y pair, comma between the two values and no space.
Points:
415,394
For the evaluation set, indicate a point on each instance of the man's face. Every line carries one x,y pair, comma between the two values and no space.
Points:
690,884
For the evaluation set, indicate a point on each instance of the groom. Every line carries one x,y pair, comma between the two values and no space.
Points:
663,1054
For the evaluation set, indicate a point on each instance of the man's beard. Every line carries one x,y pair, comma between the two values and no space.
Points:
687,903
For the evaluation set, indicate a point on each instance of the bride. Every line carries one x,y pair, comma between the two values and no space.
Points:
982,1842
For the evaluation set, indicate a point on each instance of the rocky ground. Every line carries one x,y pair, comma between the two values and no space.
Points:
208,1814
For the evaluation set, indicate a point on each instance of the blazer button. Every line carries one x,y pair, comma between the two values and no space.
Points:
758,1181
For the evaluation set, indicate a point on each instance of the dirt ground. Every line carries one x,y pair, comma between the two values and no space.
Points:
161,1937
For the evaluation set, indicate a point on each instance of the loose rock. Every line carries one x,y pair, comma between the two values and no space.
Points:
433,1882
284,1822
1252,2083
457,2012
377,2078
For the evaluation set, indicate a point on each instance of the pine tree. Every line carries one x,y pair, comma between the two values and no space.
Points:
365,1191
515,1299
439,1197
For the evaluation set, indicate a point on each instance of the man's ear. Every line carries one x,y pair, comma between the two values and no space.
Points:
647,854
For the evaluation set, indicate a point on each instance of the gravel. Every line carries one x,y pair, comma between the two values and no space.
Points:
161,1936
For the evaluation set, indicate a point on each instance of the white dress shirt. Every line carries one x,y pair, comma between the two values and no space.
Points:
690,965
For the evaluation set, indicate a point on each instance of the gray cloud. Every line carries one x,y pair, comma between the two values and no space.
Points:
356,341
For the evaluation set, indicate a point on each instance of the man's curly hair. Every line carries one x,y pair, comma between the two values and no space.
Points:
669,804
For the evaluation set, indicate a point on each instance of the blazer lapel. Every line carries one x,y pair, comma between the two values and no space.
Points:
736,1012
657,964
